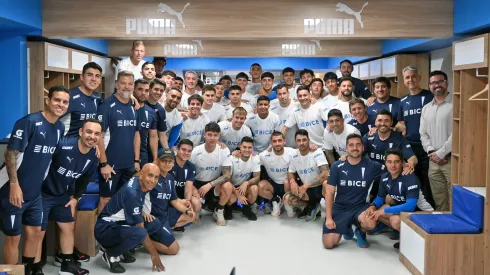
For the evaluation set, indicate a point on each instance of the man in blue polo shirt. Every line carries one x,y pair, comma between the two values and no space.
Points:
352,179
31,146
119,149
73,158
346,68
147,121
120,225
384,100
157,88
409,115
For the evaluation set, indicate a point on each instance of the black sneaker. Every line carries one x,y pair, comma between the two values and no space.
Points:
113,263
396,245
38,271
306,211
228,212
236,208
247,212
70,268
58,261
179,229
127,258
79,256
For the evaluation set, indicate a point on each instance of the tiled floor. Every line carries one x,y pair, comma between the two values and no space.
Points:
269,245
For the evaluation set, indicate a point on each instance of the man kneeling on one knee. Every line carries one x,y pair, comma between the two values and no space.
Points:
353,180
163,210
401,192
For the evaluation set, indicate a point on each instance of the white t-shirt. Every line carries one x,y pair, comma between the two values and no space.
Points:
241,171
344,108
307,166
224,101
209,165
338,142
229,110
277,165
127,65
232,137
174,118
216,113
292,92
262,129
284,113
311,120
185,97
193,129
253,88
328,102
252,99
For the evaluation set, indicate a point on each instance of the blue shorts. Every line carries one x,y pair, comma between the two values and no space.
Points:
12,218
116,238
54,209
345,218
159,232
278,188
173,216
108,189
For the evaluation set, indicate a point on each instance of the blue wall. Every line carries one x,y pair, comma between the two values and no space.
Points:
27,12
14,81
471,15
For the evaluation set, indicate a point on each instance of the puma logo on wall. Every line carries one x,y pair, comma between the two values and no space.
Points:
165,8
341,7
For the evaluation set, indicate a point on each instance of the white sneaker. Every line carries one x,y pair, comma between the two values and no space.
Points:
290,211
219,216
276,208
267,208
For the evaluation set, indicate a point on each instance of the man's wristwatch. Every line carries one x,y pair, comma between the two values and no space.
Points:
137,161
102,164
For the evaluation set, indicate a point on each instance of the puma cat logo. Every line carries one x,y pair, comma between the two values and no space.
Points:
341,7
165,8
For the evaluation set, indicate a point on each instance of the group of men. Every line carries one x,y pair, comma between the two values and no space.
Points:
161,151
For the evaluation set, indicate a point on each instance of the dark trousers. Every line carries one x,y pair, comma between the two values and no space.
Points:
422,171
118,239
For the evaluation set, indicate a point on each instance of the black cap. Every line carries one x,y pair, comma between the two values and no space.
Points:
166,154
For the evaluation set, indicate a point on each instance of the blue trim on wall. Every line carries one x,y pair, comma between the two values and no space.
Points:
471,16
27,12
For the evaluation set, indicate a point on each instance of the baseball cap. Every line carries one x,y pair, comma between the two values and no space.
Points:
166,154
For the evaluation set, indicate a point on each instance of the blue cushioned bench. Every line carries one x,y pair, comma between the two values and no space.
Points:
445,243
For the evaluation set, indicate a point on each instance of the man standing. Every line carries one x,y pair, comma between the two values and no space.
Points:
193,128
233,132
436,137
160,63
409,116
384,100
174,117
178,83
27,158
236,101
267,80
74,157
332,86
134,62
157,88
346,68
362,121
306,76
352,180
214,111
147,121
148,71
346,88
120,226
242,81
255,71
190,79
213,173
284,106
263,124
336,136
119,123
312,170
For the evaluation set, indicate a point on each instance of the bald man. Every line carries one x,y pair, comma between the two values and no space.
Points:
120,226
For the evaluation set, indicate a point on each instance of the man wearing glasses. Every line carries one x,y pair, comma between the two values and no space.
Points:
436,138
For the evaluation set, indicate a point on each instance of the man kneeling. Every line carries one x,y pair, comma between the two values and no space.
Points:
353,180
401,191
246,188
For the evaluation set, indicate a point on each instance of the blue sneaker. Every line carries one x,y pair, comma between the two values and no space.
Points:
361,239
395,235
349,235
380,228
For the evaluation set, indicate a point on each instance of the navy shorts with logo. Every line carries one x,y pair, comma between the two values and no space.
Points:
12,218
345,217
278,188
109,188
211,193
54,209
160,232
173,216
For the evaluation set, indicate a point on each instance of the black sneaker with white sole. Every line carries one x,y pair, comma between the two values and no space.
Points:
70,268
79,256
58,260
247,212
127,258
306,211
113,263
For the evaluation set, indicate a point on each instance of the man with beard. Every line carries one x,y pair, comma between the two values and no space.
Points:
284,106
148,71
236,101
436,138
308,117
27,158
306,76
157,88
409,117
147,121
74,157
351,179
360,89
335,137
190,80
193,127
233,132
274,172
174,118
312,170
214,110
346,88
119,123
362,121
263,124
384,100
